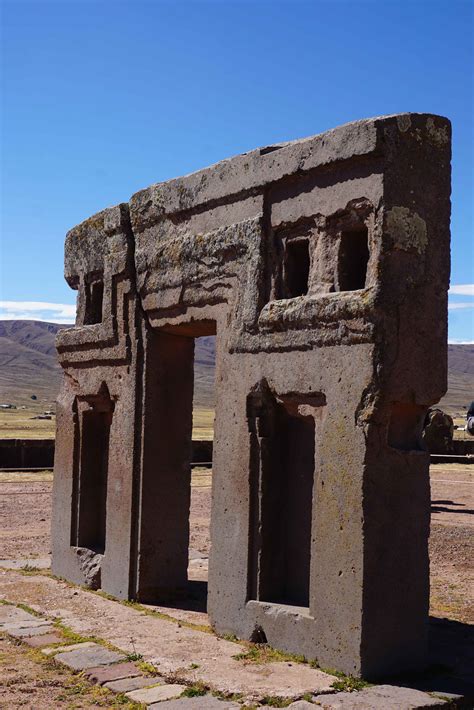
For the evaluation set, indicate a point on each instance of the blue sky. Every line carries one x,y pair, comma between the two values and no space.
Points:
102,98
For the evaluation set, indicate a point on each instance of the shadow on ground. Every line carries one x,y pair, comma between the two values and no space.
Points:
451,661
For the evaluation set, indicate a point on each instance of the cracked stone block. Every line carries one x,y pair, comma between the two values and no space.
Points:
156,693
380,697
103,674
88,657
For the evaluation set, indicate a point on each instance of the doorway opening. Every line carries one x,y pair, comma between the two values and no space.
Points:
353,259
201,466
173,537
283,436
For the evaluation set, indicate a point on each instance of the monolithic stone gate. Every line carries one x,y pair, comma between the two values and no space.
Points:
322,265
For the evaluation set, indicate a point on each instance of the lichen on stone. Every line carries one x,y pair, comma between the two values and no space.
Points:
438,135
404,122
406,229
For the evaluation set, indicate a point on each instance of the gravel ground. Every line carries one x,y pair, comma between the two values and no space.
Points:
452,541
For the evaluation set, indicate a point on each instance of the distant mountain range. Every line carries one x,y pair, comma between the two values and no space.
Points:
28,365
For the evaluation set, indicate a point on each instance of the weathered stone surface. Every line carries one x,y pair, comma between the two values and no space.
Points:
203,702
117,671
25,631
44,640
89,657
70,647
156,694
380,697
10,614
322,266
438,432
28,621
90,563
126,684
301,705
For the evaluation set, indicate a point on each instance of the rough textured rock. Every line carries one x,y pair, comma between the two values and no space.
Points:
438,432
90,564
322,266
380,697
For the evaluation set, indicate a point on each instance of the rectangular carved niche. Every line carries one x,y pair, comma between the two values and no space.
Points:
94,301
353,259
296,268
90,485
294,253
282,462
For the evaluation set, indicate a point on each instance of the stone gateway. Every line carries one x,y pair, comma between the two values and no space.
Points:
322,266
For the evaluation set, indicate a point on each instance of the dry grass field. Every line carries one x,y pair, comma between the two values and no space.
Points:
20,424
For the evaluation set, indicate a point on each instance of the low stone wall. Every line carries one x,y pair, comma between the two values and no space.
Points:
463,447
26,453
39,453
202,451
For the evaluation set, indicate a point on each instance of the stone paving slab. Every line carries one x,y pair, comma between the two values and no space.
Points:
156,694
44,640
127,684
12,614
23,632
83,658
118,671
31,623
379,697
203,702
171,648
70,647
302,705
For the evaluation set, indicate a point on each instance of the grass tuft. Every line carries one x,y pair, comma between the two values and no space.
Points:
133,657
263,653
348,683
195,690
275,701
148,668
